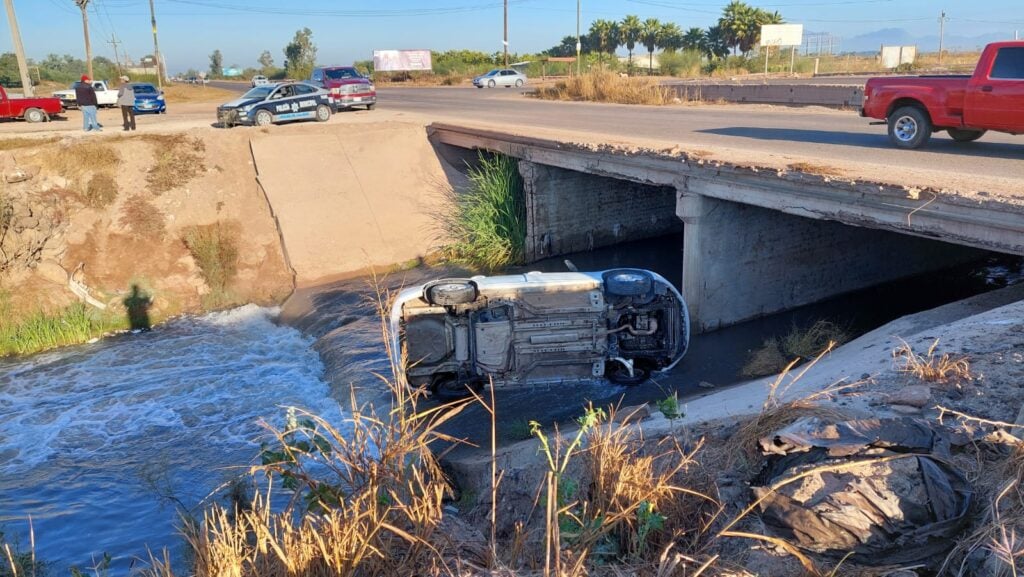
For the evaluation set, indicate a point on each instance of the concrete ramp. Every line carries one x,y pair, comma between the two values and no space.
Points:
351,197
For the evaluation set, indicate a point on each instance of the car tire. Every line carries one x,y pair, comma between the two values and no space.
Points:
449,292
617,373
264,118
628,282
480,86
370,106
961,135
323,113
491,84
35,115
909,127
446,388
519,82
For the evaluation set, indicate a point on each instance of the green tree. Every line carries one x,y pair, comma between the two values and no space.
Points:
568,46
649,38
300,54
9,73
670,37
714,44
216,64
605,37
266,61
629,34
693,39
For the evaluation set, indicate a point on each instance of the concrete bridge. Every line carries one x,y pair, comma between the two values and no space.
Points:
757,240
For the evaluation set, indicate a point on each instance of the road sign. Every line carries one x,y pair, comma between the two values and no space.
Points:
782,34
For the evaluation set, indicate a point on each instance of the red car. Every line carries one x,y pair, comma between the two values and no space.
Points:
31,109
964,106
347,86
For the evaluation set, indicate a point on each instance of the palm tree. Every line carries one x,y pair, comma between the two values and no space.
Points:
715,44
649,37
602,32
670,37
758,19
693,39
736,23
629,34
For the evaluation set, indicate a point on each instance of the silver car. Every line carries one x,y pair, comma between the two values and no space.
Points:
500,77
453,335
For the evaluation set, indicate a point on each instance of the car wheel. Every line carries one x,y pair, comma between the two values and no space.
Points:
323,113
480,86
264,118
618,373
491,84
450,292
628,282
960,135
909,127
370,106
519,82
447,388
35,115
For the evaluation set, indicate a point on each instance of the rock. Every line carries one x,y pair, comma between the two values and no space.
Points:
905,409
634,414
912,396
705,385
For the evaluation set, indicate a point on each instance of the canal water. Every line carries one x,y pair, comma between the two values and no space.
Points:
93,439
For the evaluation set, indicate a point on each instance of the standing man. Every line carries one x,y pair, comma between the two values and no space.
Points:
85,96
126,100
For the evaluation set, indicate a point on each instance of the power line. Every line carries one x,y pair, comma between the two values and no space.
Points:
347,13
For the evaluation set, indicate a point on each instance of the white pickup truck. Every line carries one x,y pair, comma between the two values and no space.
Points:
105,95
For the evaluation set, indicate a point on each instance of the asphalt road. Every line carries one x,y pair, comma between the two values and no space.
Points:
813,133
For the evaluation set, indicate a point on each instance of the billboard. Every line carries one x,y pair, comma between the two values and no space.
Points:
782,34
401,60
893,56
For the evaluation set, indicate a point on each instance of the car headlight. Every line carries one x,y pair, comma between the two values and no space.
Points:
247,108
161,97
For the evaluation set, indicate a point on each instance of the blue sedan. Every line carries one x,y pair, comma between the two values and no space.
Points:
148,98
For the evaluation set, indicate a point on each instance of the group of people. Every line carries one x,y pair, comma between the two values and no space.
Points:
85,95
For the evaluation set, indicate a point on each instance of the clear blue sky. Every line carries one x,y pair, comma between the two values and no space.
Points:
348,30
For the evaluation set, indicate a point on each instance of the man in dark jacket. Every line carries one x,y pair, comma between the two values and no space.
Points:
85,96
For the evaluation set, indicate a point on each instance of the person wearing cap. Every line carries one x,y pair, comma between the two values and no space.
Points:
85,95
126,100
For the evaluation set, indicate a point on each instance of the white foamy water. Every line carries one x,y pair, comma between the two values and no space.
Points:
90,436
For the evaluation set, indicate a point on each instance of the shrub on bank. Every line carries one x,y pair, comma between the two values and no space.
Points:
215,250
607,87
42,331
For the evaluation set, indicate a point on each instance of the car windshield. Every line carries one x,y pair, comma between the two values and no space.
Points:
492,73
144,89
260,91
341,73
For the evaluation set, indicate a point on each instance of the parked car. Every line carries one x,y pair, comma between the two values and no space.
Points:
964,106
105,95
500,77
148,98
29,109
258,80
272,103
452,335
347,86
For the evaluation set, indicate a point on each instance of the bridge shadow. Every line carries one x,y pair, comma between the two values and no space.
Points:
939,143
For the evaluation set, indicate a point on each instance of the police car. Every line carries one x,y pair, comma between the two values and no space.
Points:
282,102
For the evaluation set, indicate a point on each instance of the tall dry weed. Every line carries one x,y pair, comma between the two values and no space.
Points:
602,86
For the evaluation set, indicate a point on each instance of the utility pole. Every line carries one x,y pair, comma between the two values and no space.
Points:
114,42
579,44
504,42
83,5
156,49
19,50
942,31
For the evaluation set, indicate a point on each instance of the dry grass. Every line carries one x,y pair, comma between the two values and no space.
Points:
175,93
215,250
73,160
607,87
810,168
799,344
931,367
177,160
17,143
142,219
101,191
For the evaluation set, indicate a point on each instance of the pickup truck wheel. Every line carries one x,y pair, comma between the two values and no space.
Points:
323,113
450,292
35,115
618,374
909,127
965,135
370,106
264,118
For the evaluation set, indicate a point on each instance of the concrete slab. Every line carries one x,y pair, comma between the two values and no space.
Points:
349,201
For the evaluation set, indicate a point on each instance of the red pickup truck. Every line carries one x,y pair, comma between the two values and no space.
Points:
964,106
31,109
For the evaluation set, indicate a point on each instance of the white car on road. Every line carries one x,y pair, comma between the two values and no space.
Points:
500,77
105,95
453,335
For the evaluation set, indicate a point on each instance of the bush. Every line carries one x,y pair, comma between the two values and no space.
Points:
101,190
607,87
142,219
685,63
178,160
41,331
774,354
215,250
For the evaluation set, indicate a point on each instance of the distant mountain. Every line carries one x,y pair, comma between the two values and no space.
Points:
871,41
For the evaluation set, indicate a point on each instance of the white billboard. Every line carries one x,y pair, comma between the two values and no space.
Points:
782,34
893,56
401,60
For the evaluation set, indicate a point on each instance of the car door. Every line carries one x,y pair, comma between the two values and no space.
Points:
996,100
508,77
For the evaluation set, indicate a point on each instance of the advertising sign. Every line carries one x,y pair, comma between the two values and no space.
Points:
401,60
782,34
893,56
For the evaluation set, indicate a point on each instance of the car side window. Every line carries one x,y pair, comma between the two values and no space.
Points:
302,89
1009,64
97,86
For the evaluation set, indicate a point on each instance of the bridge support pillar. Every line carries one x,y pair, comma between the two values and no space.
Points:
741,262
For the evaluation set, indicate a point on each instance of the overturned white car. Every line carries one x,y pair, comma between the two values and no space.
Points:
451,335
